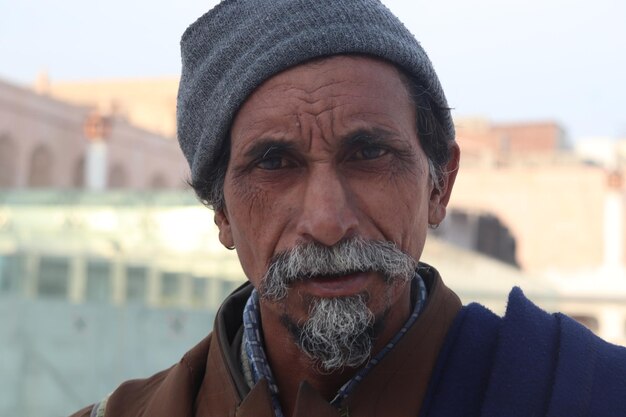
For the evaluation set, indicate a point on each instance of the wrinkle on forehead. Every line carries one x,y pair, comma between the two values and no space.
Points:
309,96
313,98
283,81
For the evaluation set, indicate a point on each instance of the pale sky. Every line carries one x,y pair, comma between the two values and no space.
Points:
508,60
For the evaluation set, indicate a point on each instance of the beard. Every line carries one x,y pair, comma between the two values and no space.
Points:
338,332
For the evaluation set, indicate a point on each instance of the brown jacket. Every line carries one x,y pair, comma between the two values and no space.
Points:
208,380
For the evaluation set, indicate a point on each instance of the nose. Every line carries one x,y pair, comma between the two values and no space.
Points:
327,214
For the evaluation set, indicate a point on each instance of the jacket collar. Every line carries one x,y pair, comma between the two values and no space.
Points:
395,386
208,380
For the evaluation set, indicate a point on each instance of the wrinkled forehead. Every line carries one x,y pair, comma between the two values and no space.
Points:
359,62
332,96
322,78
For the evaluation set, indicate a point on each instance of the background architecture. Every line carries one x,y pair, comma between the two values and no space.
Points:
105,250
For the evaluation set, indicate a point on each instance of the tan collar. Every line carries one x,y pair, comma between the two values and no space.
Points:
207,382
396,386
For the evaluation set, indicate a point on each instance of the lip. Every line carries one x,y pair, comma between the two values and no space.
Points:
339,286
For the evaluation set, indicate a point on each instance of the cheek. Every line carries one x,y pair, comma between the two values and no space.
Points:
247,202
246,207
258,219
398,199
398,209
412,188
239,191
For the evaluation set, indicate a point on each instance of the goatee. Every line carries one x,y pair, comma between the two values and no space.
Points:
339,332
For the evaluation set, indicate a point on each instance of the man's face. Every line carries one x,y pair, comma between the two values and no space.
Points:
324,152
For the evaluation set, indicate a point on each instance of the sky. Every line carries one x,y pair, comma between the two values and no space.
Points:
506,60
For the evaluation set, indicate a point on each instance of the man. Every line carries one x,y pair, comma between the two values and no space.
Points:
319,133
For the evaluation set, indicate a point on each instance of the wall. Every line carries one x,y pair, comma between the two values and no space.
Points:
56,358
43,144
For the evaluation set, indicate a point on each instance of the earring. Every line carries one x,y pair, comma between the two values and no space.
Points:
433,226
230,247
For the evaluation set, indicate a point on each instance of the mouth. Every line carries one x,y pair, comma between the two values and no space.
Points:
337,285
338,275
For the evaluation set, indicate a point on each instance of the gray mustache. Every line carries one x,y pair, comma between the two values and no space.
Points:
348,256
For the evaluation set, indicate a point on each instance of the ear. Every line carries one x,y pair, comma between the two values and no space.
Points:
223,224
439,198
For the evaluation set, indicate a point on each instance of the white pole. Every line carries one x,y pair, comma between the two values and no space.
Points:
613,227
96,165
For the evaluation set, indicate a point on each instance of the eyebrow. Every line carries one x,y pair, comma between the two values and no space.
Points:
262,147
367,137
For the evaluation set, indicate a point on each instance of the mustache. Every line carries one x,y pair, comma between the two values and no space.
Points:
312,259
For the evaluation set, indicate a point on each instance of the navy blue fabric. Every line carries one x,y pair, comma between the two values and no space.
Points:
577,346
526,357
461,374
591,375
528,363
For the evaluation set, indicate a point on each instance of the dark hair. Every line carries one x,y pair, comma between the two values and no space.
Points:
430,130
209,187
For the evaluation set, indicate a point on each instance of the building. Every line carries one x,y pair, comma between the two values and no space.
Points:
100,287
534,181
48,143
553,201
563,210
149,103
161,250
481,140
125,247
103,273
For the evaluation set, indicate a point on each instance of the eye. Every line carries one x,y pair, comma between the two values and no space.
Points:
272,162
370,152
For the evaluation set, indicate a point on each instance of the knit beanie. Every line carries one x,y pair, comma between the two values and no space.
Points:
233,48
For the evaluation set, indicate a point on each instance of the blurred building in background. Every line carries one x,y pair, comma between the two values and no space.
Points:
110,269
100,287
148,103
561,211
49,143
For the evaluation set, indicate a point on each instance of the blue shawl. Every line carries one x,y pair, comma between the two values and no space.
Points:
528,364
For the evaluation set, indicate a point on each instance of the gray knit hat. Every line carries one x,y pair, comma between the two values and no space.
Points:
237,45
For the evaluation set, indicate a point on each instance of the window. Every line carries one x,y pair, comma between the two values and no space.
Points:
5,284
8,162
98,281
78,181
53,277
136,287
228,287
117,177
199,288
158,182
170,288
40,174
11,270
